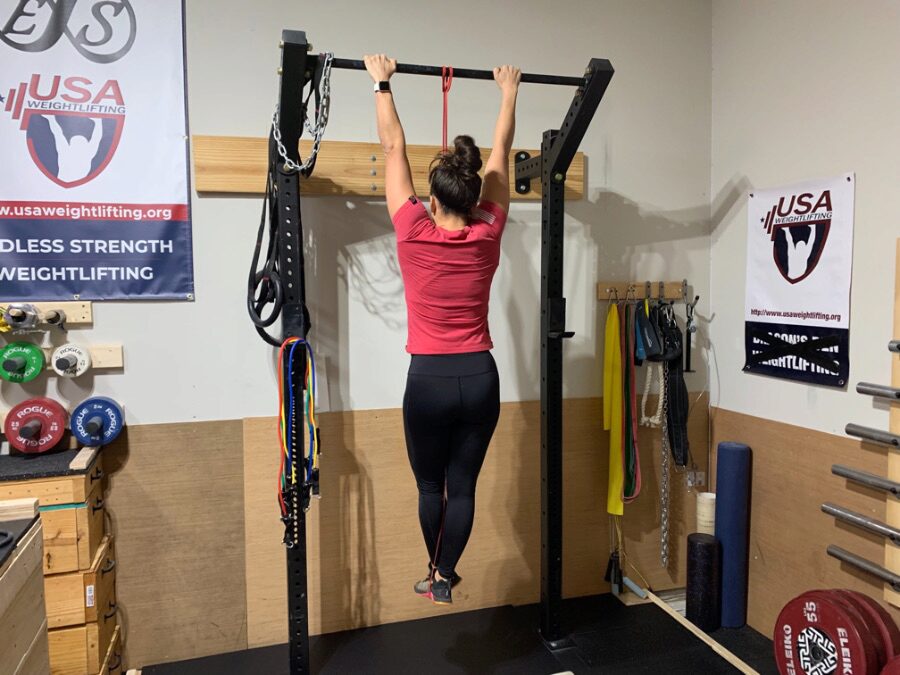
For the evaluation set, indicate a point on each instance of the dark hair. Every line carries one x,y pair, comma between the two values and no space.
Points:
454,177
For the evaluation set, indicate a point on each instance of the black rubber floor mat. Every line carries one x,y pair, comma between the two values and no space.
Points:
11,533
607,637
41,465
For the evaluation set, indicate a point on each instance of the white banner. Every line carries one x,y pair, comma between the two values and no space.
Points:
799,266
94,183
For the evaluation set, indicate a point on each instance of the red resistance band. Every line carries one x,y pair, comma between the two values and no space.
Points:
446,82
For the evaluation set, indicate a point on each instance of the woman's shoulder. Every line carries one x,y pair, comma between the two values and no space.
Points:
411,218
488,212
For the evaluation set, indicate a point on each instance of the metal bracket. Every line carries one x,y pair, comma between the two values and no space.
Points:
527,168
557,320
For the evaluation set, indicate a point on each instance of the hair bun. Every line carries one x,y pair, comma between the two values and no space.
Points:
466,157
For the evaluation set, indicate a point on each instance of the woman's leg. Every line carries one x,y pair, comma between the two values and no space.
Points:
427,409
480,397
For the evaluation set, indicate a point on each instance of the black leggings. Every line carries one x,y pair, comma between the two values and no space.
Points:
450,409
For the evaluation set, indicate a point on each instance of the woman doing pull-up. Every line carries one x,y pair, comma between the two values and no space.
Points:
448,254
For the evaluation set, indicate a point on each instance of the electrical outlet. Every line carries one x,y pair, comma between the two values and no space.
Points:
696,478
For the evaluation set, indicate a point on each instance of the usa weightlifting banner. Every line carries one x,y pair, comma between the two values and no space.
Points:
94,183
799,265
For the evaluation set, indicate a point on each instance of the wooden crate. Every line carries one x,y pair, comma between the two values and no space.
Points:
23,625
56,490
113,663
37,660
81,650
72,533
80,597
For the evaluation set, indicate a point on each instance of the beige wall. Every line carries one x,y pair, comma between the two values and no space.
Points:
646,215
800,90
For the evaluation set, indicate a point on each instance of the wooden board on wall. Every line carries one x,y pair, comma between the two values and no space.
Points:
364,541
237,164
788,532
891,552
175,501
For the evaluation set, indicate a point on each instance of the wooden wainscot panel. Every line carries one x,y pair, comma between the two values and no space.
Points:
364,541
788,532
176,506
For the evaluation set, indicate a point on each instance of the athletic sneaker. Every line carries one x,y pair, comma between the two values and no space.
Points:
440,591
423,587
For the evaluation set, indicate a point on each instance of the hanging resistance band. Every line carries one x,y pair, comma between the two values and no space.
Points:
446,83
288,426
612,409
631,458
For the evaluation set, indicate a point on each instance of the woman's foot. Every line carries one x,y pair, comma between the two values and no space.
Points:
441,591
425,586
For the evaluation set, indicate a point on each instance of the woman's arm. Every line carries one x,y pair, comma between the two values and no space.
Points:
496,172
398,185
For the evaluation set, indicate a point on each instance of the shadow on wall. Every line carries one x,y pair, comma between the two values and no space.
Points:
347,543
633,243
351,257
728,202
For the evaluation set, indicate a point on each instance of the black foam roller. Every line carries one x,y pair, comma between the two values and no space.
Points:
704,578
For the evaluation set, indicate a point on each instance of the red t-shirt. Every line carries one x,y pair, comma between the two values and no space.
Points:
447,276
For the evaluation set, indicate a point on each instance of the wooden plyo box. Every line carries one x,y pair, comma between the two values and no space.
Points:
82,650
81,597
72,533
71,505
55,490
23,625
112,665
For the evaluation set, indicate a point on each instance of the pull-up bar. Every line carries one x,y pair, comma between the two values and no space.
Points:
464,73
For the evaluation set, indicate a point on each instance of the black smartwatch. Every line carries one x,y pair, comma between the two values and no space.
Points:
384,85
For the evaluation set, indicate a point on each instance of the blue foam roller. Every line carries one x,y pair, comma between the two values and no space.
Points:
733,528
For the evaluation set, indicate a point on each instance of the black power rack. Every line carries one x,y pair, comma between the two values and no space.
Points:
298,68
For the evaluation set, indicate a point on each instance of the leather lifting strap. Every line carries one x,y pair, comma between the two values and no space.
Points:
631,463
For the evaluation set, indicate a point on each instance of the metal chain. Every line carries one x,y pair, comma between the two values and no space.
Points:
665,461
317,130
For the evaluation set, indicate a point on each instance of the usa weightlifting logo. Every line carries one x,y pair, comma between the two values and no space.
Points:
798,227
72,125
